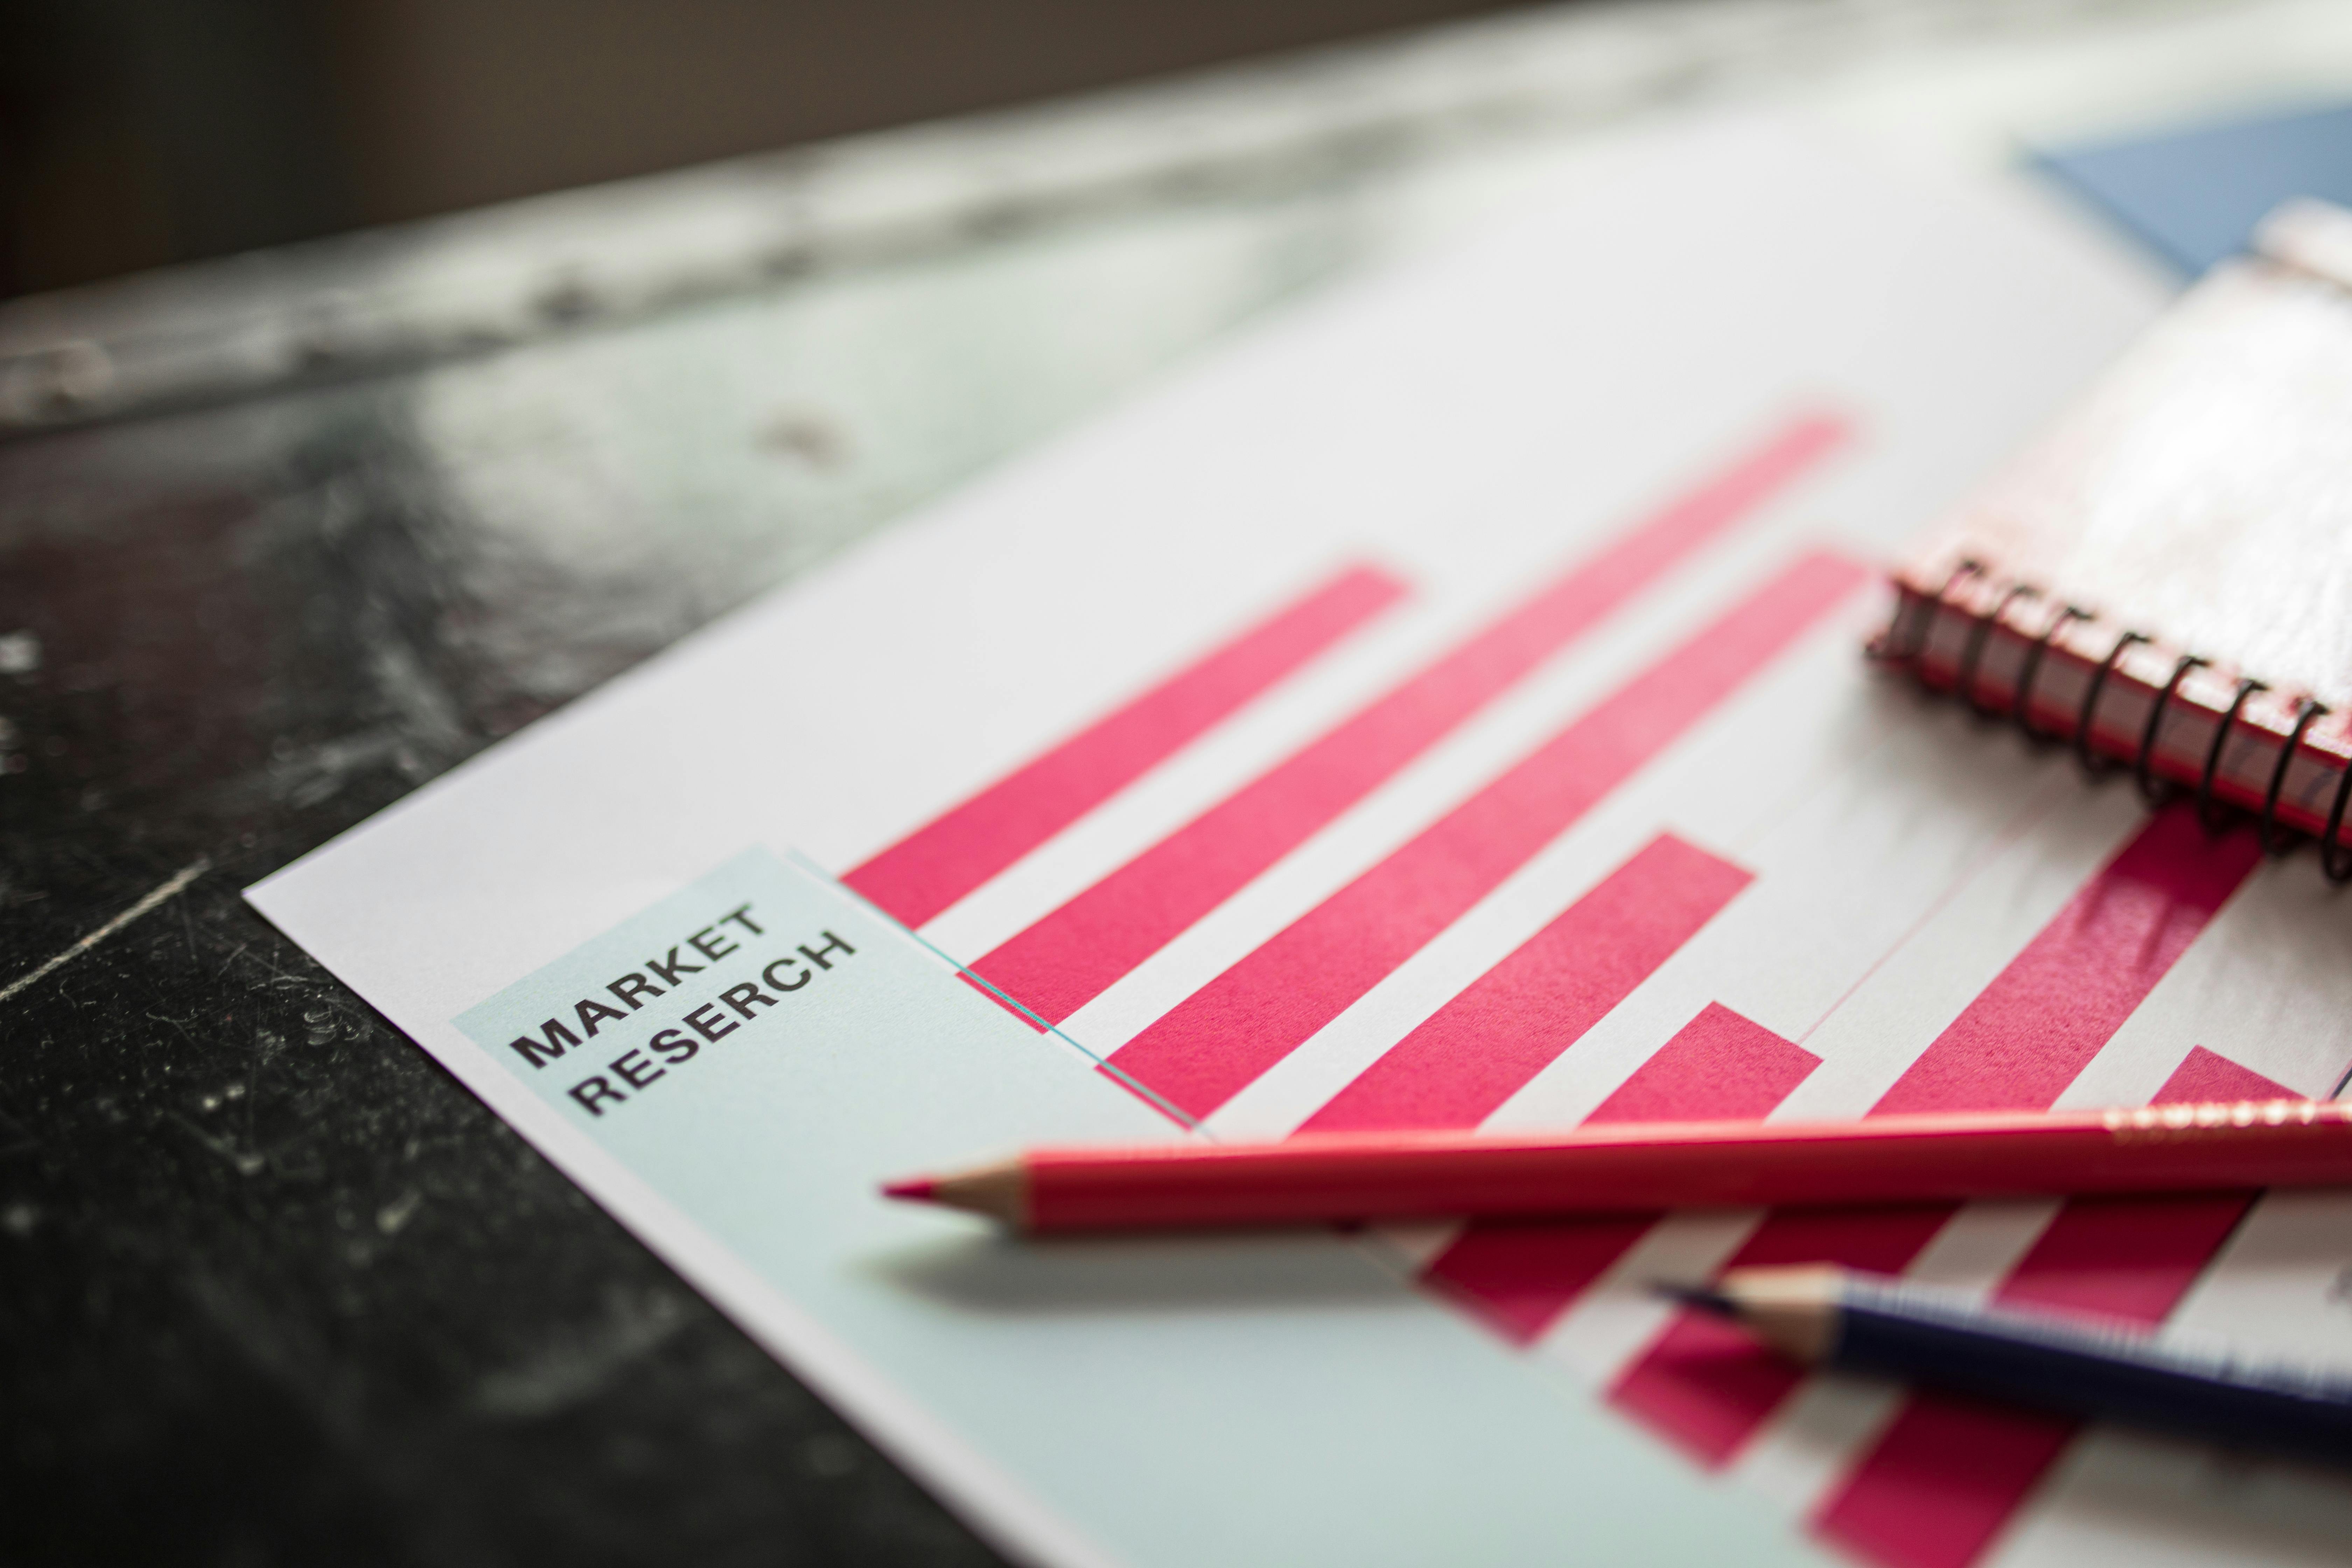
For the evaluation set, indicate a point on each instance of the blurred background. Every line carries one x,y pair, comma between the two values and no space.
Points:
135,133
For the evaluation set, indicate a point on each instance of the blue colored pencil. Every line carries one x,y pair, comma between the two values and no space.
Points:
2073,1365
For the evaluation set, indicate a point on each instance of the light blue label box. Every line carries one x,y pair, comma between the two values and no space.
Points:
714,990
762,1047
711,991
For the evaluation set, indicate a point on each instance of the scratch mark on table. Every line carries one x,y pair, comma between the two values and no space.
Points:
155,899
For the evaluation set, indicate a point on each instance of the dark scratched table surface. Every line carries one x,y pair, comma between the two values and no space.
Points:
282,538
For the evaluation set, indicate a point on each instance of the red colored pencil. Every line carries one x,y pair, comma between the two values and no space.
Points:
1630,1167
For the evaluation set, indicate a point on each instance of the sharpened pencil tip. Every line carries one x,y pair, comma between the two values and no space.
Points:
1704,1297
913,1190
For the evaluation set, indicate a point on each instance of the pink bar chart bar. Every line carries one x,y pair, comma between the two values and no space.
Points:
2016,1046
1071,955
1948,1474
1519,1276
940,862
1515,1019
2033,1030
1205,1051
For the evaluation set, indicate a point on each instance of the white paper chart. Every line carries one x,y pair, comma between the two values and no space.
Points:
1444,709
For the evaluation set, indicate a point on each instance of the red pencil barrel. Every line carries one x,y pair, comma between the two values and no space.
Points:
1620,1169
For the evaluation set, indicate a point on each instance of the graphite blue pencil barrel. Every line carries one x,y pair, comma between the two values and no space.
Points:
2074,1367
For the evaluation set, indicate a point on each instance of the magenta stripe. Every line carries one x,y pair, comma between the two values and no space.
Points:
2017,1045
939,863
1719,1064
1519,1276
1068,957
1515,1020
1947,1475
1223,1036
2037,1026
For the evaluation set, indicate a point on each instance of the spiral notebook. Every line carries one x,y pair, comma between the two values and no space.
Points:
2164,581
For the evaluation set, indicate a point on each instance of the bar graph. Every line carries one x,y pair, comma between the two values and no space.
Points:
1068,957
2017,1046
1223,1036
1937,1484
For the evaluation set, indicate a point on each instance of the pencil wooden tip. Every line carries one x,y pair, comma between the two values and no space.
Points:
1000,1191
1792,1307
